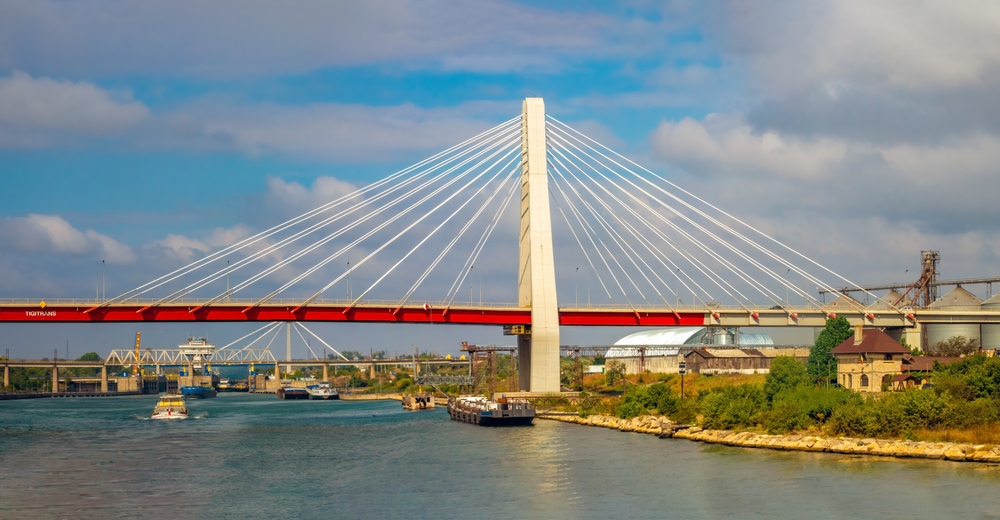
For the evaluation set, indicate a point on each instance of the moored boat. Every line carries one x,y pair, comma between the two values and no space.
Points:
170,407
198,392
225,386
482,411
287,392
322,391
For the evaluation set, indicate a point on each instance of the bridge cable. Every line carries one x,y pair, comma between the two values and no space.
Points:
791,266
446,220
743,255
448,199
305,216
220,274
325,344
343,230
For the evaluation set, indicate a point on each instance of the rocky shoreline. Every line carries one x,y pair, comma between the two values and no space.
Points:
661,426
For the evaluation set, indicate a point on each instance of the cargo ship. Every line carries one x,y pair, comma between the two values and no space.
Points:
198,392
292,393
482,411
322,391
170,407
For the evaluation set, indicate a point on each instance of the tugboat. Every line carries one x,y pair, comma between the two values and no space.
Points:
225,386
422,401
170,407
322,391
287,392
482,411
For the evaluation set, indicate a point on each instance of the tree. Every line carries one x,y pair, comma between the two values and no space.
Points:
786,373
822,364
614,371
956,346
90,356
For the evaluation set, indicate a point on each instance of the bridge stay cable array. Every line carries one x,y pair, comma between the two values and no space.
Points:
649,243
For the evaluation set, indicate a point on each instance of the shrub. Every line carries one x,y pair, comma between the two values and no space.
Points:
786,373
731,407
785,417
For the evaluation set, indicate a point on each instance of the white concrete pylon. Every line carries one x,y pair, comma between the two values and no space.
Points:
538,354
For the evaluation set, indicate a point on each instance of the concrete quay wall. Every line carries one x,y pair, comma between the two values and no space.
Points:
661,426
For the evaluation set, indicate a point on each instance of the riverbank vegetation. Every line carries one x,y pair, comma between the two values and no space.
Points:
963,405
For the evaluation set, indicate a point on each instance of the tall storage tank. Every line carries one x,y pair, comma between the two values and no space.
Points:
956,299
991,331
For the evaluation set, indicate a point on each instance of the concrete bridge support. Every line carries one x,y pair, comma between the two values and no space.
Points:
6,375
538,353
55,378
326,373
104,378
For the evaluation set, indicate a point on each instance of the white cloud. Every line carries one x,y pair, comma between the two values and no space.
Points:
182,248
723,145
194,38
53,234
41,111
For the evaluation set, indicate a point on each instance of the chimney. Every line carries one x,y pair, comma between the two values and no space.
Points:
857,333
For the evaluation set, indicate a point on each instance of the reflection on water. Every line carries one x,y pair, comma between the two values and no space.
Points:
253,456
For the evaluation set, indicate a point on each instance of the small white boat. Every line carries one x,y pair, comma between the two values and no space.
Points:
322,391
170,407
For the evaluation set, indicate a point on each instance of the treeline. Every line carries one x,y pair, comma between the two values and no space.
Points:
965,393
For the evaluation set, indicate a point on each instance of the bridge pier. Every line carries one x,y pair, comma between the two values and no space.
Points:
104,378
538,353
326,373
6,375
55,378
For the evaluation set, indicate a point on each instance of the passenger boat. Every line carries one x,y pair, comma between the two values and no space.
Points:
170,407
322,391
287,392
225,386
482,411
423,401
198,392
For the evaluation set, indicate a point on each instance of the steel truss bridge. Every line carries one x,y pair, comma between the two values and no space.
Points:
659,254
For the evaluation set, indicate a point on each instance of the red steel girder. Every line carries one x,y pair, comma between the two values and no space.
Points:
335,313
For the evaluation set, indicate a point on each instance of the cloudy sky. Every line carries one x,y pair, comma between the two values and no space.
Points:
145,134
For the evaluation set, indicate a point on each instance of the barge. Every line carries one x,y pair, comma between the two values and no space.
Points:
170,407
292,393
198,392
481,411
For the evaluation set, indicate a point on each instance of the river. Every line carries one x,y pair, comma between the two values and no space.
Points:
250,456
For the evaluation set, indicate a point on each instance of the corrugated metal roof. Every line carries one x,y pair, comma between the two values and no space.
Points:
727,352
993,302
667,336
885,303
755,339
634,352
844,303
957,297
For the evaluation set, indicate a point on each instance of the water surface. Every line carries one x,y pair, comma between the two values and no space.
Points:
244,455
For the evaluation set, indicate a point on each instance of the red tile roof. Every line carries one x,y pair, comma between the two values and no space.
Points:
873,341
925,363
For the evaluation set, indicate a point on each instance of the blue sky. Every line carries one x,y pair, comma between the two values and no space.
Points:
862,133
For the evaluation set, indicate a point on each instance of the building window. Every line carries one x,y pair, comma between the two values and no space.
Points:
864,380
850,381
888,357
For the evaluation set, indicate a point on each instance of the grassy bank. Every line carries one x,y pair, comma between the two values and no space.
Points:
963,406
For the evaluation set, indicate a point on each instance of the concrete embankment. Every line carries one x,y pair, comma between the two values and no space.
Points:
843,445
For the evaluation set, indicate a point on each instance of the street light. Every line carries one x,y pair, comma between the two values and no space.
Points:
348,280
104,285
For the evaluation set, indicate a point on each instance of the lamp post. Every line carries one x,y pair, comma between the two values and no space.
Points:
104,285
576,288
348,280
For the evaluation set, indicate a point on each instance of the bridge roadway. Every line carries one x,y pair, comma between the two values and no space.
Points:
90,311
70,363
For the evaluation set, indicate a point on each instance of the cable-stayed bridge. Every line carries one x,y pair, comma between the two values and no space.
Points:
650,252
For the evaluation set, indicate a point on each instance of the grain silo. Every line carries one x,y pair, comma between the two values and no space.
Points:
991,331
888,302
960,300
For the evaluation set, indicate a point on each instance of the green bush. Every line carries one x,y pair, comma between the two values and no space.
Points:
785,416
731,407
